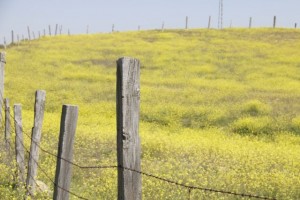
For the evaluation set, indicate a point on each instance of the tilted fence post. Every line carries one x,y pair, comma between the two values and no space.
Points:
2,65
63,174
7,126
20,159
128,141
39,107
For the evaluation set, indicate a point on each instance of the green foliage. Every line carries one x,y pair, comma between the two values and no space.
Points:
217,109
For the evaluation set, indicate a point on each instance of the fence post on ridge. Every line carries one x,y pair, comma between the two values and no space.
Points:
274,22
20,159
209,20
250,22
186,22
128,141
40,97
2,65
68,124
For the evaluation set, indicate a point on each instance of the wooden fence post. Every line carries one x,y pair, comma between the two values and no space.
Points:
20,159
274,22
39,107
209,20
60,29
56,29
113,28
12,37
28,29
250,22
7,126
68,124
2,65
69,33
128,141
186,22
295,25
33,35
163,27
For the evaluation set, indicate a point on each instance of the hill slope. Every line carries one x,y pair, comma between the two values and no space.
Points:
219,109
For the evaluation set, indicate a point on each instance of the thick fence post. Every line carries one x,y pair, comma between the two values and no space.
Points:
250,22
68,124
274,22
128,141
7,126
209,20
20,160
39,107
2,65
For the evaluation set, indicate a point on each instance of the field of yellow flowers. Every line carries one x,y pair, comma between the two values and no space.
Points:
219,109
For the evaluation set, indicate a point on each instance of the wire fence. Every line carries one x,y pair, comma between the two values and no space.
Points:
189,188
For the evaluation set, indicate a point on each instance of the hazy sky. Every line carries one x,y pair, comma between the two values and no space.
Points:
149,14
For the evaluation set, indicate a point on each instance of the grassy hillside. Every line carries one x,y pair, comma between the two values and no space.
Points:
219,109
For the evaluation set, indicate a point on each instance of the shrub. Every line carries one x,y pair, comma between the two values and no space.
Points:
255,108
252,125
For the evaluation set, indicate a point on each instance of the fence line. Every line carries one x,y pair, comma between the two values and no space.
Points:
120,166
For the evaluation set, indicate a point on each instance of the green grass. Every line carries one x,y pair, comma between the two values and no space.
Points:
219,109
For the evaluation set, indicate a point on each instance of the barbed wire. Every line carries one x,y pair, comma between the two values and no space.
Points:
190,188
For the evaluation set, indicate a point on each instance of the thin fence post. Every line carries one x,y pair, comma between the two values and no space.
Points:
163,27
113,28
28,29
56,29
139,27
44,32
250,22
69,33
60,29
186,22
39,107
63,174
39,34
7,127
274,22
209,20
295,25
87,29
2,66
128,141
33,35
12,37
20,159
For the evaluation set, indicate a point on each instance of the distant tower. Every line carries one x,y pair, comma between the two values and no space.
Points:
220,18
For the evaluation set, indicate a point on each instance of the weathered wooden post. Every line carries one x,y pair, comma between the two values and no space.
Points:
186,22
56,29
7,126
40,97
69,33
163,27
87,29
20,159
128,141
113,28
12,37
63,173
2,65
250,22
209,20
274,22
60,29
295,25
28,29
